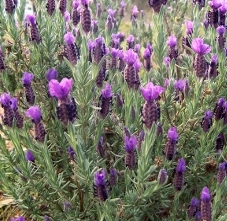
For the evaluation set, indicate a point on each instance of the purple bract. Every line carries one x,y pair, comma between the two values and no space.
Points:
130,143
106,92
34,113
199,47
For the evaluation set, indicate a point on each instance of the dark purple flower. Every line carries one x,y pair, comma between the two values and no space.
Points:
214,59
106,92
51,74
151,92
172,41
193,207
69,38
71,152
130,57
162,176
111,12
194,201
221,30
34,113
62,89
199,47
221,172
208,114
206,206
113,177
67,206
137,66
31,19
189,27
5,99
47,218
173,135
27,78
30,156
100,189
180,84
130,143
76,4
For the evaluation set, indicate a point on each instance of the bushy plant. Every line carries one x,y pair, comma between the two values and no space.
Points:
99,125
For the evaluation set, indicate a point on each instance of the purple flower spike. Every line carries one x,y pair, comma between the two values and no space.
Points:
130,143
221,101
30,156
62,89
215,4
205,195
34,113
221,30
107,93
162,176
111,12
31,19
199,47
51,74
69,38
181,167
189,26
5,99
180,84
172,134
67,16
130,57
151,92
172,41
14,103
27,78
100,178
71,152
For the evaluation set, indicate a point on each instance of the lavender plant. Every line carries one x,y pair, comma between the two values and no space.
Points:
88,133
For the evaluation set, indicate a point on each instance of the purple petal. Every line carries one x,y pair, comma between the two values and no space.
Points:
27,78
199,47
14,103
130,143
51,74
106,92
69,38
31,19
34,113
205,195
5,99
100,177
130,57
180,84
172,134
181,167
172,41
189,26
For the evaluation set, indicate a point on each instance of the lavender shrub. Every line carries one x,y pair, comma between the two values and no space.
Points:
89,133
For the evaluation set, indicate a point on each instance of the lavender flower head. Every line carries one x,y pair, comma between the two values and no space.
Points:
221,30
208,115
31,19
130,39
181,167
5,99
34,113
173,135
106,92
167,61
180,84
189,27
162,176
137,65
100,178
69,38
62,89
130,57
205,195
71,152
114,52
30,156
199,47
123,4
172,41
130,143
51,74
151,92
27,78
215,4
19,218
